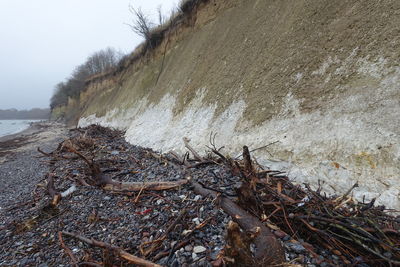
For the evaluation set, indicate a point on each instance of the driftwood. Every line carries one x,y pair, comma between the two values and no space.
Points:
52,190
155,186
119,251
355,232
57,196
98,177
268,249
108,183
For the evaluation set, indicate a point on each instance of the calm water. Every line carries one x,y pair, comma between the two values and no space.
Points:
13,126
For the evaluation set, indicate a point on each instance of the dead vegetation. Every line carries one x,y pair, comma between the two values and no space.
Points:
263,208
268,249
267,200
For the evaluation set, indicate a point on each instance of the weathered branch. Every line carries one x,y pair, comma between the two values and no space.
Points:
119,251
69,191
156,186
108,183
52,190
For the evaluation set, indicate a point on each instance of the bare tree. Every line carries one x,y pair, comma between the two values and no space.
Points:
102,60
98,62
161,18
141,24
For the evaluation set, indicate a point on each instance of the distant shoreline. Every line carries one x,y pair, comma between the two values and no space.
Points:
29,138
23,125
31,114
32,128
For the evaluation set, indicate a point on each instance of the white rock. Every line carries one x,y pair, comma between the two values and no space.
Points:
197,198
196,221
194,256
199,249
185,232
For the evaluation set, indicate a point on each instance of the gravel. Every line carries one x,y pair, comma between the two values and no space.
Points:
29,226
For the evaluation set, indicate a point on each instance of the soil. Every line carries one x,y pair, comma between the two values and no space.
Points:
260,51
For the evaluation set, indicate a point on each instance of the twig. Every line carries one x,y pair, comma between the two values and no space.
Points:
195,154
258,148
67,250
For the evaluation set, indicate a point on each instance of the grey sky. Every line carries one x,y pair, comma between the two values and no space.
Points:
42,41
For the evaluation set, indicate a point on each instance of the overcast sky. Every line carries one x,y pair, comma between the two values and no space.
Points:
42,41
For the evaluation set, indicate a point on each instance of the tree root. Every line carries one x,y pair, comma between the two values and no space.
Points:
268,249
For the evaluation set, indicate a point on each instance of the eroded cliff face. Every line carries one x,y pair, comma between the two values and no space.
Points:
320,77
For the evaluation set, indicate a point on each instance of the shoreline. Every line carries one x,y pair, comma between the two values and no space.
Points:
31,129
28,123
37,134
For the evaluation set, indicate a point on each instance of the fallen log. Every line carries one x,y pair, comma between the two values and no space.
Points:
119,251
137,186
268,250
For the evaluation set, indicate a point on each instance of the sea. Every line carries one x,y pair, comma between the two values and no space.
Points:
8,127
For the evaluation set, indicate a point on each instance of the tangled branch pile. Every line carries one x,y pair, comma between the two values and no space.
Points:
355,232
263,204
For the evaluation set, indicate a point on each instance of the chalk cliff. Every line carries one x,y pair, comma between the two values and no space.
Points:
320,77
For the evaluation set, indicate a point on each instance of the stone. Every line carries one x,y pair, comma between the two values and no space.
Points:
199,249
197,198
296,247
196,221
194,256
